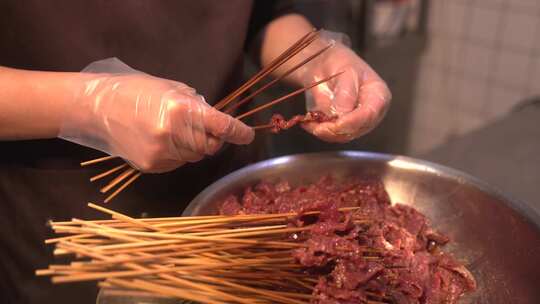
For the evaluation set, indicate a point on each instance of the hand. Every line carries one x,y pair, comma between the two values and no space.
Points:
155,124
358,97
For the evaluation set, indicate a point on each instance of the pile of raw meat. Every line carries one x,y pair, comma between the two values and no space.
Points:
378,252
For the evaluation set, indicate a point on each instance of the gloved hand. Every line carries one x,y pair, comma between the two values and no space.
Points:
155,124
358,97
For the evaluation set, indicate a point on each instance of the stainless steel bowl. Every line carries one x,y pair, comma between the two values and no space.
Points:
496,236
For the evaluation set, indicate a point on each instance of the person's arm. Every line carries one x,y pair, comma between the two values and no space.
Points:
358,97
33,103
155,124
279,35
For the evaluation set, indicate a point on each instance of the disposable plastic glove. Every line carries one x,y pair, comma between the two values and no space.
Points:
155,124
359,98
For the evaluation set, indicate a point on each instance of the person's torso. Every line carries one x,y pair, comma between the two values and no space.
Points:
200,43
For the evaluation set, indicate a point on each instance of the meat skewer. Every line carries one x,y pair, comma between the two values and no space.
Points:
278,123
235,264
331,241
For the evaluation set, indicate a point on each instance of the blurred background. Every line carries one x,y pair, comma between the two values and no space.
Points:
465,78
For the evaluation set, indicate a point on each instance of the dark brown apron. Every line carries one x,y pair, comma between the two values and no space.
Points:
200,43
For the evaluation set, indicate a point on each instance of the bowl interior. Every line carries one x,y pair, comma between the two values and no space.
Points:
497,237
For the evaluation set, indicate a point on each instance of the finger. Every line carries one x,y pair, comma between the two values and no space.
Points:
189,133
193,120
165,166
324,132
182,88
197,132
211,145
374,102
227,128
319,98
214,144
374,99
186,118
146,165
192,144
188,155
345,97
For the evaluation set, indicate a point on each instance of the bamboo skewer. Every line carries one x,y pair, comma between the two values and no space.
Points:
118,179
281,99
108,172
274,64
97,160
122,187
275,80
195,220
68,238
166,290
226,259
122,217
262,127
152,246
136,273
189,284
148,258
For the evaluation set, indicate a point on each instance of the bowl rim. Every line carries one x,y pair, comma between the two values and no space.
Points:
521,207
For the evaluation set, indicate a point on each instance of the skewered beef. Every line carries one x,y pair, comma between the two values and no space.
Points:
278,123
377,252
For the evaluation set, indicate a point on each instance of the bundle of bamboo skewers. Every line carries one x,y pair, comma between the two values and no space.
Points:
207,259
127,174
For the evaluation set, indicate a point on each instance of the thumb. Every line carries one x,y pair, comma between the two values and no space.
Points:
345,97
227,128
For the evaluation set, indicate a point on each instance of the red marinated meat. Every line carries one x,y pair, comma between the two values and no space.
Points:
278,123
379,252
231,206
